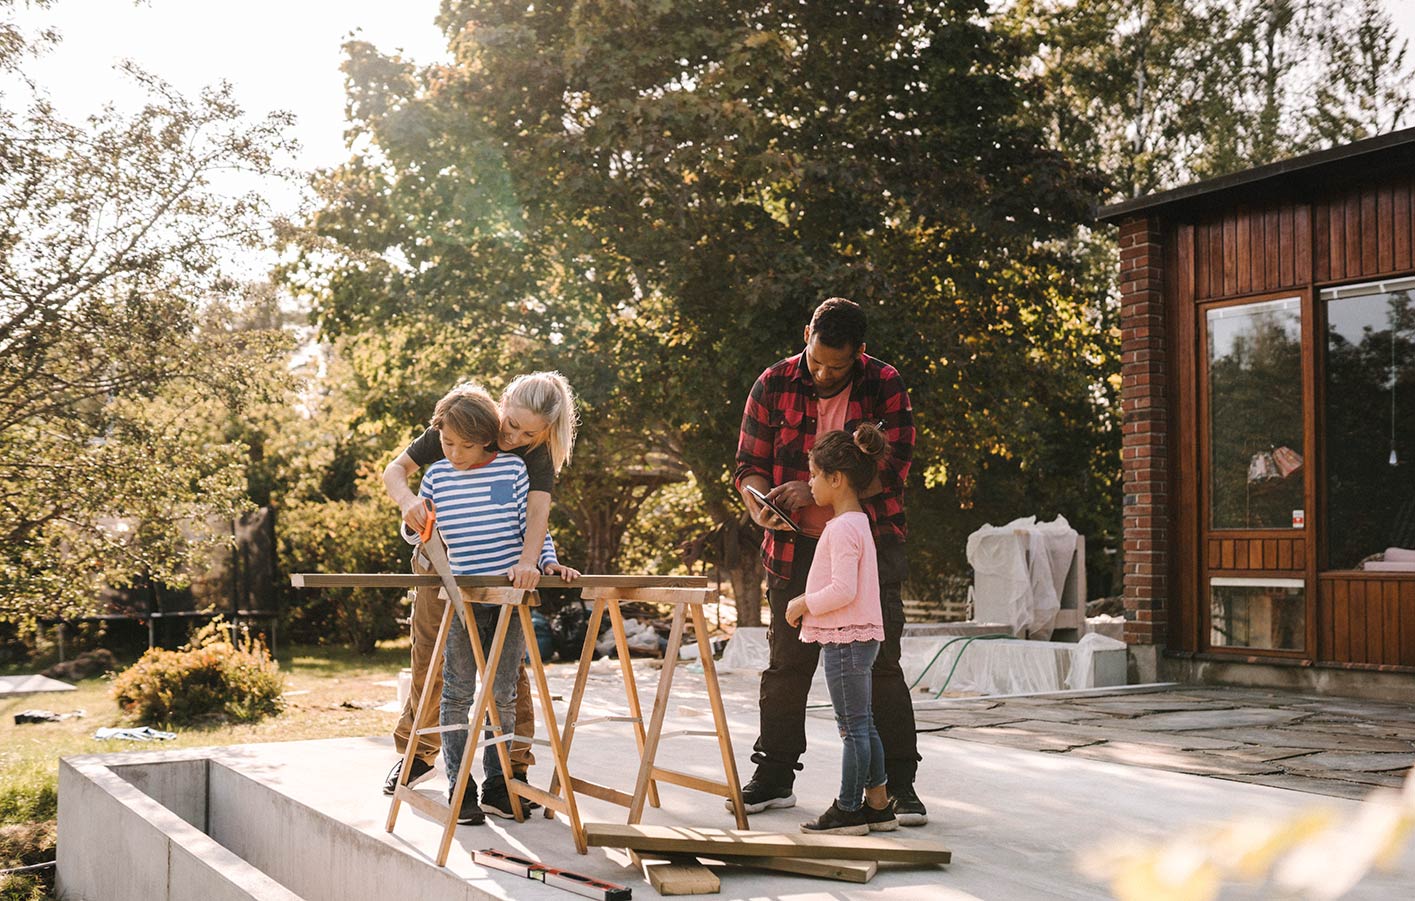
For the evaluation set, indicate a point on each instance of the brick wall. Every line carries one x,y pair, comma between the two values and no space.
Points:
1144,410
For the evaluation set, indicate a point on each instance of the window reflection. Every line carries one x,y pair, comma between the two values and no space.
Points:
1370,424
1255,415
1258,613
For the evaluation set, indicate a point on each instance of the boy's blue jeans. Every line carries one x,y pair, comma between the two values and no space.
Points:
848,676
459,688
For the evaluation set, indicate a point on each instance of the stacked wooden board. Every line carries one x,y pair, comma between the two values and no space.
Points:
672,857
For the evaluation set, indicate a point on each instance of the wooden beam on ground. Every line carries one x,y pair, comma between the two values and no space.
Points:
676,874
840,870
413,580
707,842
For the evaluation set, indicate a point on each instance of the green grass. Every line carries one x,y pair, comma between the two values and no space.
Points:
319,681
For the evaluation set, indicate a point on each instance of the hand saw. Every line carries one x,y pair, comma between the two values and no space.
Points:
435,551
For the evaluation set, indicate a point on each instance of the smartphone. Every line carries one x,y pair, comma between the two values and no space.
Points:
770,505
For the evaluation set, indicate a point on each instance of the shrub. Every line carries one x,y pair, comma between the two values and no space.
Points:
212,677
358,536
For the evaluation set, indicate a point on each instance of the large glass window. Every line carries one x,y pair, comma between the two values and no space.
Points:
1370,422
1258,613
1255,415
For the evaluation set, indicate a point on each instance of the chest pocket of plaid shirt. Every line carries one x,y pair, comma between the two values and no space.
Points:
790,429
502,493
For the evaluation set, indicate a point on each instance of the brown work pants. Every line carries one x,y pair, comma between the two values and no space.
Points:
428,606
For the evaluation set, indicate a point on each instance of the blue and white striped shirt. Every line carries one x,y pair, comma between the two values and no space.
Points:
481,514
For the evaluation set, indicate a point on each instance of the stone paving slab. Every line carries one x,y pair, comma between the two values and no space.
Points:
1197,763
1310,738
1371,763
1336,788
1345,725
1141,706
1325,746
1051,712
1365,710
1214,719
1116,731
932,720
1034,739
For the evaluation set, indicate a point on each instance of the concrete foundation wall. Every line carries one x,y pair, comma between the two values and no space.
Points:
318,857
181,826
1325,681
117,844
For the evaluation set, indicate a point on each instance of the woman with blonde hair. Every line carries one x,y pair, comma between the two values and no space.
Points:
538,421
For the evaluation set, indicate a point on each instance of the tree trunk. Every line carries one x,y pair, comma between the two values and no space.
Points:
740,559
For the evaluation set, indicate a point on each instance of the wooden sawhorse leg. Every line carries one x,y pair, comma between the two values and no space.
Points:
483,709
684,600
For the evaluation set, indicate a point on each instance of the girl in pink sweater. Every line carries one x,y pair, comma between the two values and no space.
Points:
840,610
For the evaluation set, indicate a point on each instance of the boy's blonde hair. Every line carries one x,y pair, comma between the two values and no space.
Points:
548,395
469,412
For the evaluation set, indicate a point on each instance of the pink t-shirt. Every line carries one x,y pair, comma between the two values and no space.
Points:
830,416
842,588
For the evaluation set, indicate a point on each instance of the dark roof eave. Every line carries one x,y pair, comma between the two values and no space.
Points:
1320,159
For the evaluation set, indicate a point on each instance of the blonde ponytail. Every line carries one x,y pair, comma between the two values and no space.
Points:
547,395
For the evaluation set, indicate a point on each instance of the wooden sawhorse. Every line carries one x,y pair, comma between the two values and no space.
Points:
496,592
688,605
484,710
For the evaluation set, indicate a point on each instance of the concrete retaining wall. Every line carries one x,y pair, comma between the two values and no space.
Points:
181,826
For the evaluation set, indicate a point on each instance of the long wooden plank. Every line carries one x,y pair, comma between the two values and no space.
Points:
746,843
1401,227
1369,257
676,874
1244,256
1230,254
1407,623
652,594
1321,243
1385,228
413,580
860,871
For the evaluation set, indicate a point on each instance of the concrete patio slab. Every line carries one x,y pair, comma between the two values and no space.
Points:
1017,822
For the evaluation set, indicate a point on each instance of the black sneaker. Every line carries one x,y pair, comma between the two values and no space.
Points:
838,822
496,800
880,819
420,772
758,796
470,814
908,809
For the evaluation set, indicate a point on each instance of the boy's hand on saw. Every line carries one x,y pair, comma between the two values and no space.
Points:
416,516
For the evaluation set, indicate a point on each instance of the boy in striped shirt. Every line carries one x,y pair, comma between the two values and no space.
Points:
480,497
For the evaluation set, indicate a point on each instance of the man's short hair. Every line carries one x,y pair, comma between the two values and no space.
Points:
839,323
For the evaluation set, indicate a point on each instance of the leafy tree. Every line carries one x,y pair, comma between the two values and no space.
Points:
653,197
1162,92
120,335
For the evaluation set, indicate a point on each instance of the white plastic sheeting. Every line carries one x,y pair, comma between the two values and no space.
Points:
1083,659
983,666
1008,666
746,651
1020,572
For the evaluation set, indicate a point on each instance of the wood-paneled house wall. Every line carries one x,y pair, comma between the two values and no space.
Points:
1269,411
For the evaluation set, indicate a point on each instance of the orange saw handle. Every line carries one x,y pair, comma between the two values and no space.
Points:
430,521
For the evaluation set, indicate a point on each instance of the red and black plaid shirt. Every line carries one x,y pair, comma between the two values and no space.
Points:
779,428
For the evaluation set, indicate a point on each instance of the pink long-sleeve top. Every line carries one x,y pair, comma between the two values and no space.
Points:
842,588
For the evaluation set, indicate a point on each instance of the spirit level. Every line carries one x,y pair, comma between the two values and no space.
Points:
568,880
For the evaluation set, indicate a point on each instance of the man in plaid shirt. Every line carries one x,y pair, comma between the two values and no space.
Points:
830,385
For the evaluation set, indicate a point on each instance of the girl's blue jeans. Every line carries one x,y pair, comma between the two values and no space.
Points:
848,675
459,687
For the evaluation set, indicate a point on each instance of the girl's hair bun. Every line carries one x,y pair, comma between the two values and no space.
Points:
870,440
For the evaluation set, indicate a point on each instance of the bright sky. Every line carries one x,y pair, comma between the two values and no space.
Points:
278,54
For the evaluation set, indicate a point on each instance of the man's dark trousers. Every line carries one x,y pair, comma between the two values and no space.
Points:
787,679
